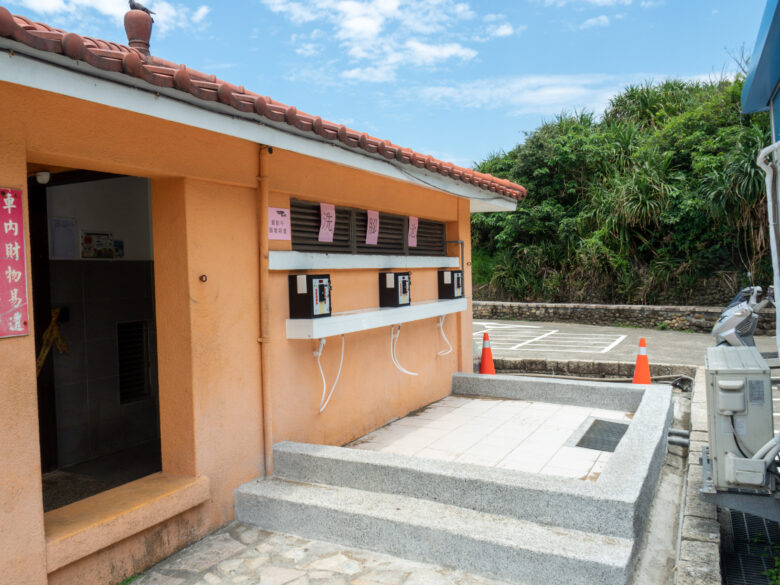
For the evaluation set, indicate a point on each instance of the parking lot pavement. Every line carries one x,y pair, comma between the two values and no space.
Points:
572,341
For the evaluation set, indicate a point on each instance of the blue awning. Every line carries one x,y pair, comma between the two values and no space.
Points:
764,72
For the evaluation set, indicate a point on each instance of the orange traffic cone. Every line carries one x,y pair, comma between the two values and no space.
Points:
642,368
486,363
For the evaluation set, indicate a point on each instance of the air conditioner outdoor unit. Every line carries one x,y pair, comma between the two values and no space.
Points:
742,448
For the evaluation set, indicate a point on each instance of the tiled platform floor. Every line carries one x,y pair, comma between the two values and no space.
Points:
511,434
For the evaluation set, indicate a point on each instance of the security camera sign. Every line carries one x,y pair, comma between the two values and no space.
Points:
14,320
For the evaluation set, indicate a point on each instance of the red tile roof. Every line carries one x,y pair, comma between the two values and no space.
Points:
120,58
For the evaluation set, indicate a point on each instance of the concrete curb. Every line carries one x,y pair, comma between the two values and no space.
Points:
585,368
569,503
632,473
699,562
607,395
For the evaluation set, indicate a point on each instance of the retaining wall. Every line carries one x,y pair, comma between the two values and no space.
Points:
681,318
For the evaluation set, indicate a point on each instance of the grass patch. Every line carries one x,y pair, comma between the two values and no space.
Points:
482,265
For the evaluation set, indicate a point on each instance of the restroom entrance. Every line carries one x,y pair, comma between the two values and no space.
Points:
95,335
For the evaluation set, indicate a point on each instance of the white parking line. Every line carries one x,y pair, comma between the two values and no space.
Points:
535,338
614,344
499,326
519,345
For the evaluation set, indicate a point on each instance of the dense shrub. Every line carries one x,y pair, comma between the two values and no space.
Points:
659,194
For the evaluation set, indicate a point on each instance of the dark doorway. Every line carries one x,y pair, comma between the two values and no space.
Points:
93,297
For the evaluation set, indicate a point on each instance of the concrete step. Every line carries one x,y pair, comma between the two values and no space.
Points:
548,500
423,530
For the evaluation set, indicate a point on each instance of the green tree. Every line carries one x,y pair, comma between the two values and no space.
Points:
658,195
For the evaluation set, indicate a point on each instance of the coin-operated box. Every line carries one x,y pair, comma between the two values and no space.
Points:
450,284
310,296
395,289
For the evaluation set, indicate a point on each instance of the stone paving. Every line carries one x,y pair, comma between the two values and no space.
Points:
244,554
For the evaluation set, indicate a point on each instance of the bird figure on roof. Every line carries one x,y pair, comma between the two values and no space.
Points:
138,6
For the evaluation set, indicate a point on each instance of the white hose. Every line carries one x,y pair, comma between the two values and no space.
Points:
447,341
323,401
393,343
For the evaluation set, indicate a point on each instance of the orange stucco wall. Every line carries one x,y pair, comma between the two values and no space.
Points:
205,199
370,391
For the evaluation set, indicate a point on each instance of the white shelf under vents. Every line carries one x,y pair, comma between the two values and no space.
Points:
290,260
362,320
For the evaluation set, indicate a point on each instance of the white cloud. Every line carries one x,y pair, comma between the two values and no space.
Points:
425,54
200,14
377,74
296,11
530,94
602,20
501,30
544,95
380,36
69,12
308,49
591,2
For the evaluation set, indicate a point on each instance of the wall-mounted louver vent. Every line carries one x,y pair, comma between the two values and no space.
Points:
133,359
430,239
350,234
305,223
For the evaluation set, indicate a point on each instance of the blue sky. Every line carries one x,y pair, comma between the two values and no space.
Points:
456,79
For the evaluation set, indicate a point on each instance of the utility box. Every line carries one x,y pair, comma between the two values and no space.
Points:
739,402
450,284
310,296
395,289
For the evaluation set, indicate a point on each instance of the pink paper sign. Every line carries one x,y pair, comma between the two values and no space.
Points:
327,222
279,224
413,223
372,228
14,320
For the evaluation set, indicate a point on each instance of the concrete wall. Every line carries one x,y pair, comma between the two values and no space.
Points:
700,319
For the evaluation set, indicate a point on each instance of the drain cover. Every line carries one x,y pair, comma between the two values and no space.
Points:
603,435
755,542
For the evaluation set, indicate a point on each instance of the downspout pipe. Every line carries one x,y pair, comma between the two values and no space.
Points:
766,161
265,329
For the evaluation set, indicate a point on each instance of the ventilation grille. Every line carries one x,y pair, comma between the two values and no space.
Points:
603,435
430,239
305,223
350,234
133,359
751,546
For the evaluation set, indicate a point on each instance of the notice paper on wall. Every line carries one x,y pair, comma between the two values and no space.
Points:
14,317
279,224
97,245
372,228
327,222
63,238
413,223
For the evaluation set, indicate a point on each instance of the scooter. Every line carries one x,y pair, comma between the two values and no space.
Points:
737,324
